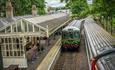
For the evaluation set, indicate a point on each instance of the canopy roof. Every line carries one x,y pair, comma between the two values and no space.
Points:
40,19
42,26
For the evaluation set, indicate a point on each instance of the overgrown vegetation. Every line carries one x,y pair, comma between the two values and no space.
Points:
22,7
78,8
104,11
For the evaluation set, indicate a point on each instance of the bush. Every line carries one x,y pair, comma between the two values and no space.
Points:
83,14
73,16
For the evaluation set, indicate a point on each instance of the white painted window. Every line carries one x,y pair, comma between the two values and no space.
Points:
12,47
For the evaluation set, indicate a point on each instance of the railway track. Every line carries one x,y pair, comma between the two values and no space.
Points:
73,60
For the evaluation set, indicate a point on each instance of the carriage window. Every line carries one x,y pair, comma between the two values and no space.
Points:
71,35
76,35
65,35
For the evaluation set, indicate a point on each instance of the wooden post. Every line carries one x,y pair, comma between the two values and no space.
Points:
11,28
22,29
47,42
47,31
27,26
40,44
33,28
1,57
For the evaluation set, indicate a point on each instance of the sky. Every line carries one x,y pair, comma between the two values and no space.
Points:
89,1
54,3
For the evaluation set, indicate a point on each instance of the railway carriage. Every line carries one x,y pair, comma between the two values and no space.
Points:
100,46
71,35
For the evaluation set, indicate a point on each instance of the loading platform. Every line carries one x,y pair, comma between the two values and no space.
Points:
51,57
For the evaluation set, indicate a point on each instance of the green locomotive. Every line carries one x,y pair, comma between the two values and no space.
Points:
71,35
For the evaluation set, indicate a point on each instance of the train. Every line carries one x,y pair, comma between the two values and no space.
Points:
71,35
100,46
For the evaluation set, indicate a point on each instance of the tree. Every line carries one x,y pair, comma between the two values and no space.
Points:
77,7
105,8
22,7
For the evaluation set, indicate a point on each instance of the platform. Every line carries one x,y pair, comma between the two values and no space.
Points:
51,57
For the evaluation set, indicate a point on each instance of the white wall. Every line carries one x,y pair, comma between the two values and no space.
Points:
21,62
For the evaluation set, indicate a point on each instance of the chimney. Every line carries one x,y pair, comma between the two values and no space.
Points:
34,10
9,10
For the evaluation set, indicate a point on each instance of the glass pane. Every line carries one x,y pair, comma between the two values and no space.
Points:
18,52
11,53
21,47
9,39
2,40
7,47
4,53
20,40
2,47
3,31
10,46
8,29
71,34
19,27
7,52
17,43
25,26
6,41
14,29
76,35
30,27
21,53
15,53
36,28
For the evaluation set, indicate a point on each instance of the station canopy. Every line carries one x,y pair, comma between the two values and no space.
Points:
42,26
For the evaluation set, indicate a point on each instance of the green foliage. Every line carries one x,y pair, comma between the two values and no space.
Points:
113,21
22,7
2,7
84,13
40,5
73,16
78,8
105,8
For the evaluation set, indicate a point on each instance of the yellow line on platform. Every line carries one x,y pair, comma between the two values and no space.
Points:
50,57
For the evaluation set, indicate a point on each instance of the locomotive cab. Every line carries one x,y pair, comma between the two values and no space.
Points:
70,38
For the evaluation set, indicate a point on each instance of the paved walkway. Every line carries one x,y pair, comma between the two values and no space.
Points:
33,65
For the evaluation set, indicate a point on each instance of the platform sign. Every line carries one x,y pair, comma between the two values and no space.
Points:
89,1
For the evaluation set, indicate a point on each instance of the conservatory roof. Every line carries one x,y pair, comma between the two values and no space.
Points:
40,19
7,21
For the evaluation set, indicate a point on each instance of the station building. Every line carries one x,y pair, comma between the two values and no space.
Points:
21,37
